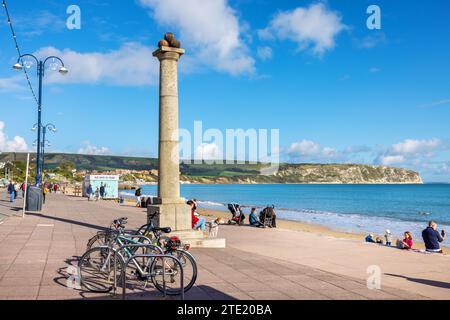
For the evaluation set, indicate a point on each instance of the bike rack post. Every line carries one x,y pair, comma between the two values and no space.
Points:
117,252
177,261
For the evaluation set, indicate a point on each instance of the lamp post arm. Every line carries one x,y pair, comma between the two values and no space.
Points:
54,57
28,55
51,127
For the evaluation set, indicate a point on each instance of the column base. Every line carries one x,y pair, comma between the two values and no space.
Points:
174,215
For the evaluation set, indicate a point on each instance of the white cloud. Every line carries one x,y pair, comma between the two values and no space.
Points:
17,144
210,30
415,147
33,24
389,160
372,41
410,152
90,149
265,53
314,27
435,103
208,151
303,148
12,84
130,65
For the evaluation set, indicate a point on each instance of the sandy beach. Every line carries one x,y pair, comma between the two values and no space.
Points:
309,228
302,227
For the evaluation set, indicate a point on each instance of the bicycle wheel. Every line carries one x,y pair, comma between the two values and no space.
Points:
172,279
138,270
96,268
102,238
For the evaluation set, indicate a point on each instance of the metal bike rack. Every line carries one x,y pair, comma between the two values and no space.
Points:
161,256
131,245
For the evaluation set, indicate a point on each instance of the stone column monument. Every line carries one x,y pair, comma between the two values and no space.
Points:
172,209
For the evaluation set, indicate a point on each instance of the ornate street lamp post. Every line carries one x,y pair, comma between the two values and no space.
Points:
52,128
40,73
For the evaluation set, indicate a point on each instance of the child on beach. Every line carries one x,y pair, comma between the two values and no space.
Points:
388,237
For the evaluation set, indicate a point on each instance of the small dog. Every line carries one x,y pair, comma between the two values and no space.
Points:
213,227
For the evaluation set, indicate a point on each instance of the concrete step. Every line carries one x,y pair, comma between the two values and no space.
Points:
187,234
218,243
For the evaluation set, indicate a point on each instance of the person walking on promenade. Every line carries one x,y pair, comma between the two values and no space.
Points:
138,195
432,237
16,190
45,190
97,194
23,187
11,191
102,191
89,192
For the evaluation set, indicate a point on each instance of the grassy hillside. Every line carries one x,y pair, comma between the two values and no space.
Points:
237,173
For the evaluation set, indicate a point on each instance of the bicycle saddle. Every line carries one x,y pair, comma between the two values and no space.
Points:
163,230
121,221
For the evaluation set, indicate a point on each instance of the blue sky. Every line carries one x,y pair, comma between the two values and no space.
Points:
337,91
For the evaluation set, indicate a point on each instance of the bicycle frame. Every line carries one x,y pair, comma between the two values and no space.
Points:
133,258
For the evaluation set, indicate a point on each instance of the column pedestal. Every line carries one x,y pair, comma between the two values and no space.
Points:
174,215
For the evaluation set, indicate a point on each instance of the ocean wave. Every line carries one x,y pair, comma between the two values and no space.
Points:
211,203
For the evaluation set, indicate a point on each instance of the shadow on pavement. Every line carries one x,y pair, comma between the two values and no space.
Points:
83,224
433,283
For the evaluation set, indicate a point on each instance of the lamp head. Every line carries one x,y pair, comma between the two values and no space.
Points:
63,70
17,66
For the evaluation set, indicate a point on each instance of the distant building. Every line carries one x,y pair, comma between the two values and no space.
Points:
111,183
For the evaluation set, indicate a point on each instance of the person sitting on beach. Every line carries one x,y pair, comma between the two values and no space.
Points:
432,238
253,219
378,240
197,221
407,242
195,204
370,239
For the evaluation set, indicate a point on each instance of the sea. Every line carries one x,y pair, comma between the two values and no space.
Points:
348,208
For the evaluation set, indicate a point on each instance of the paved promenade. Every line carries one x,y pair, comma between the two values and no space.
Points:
36,251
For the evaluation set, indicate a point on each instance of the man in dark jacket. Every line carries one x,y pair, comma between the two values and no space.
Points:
432,237
102,191
11,191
